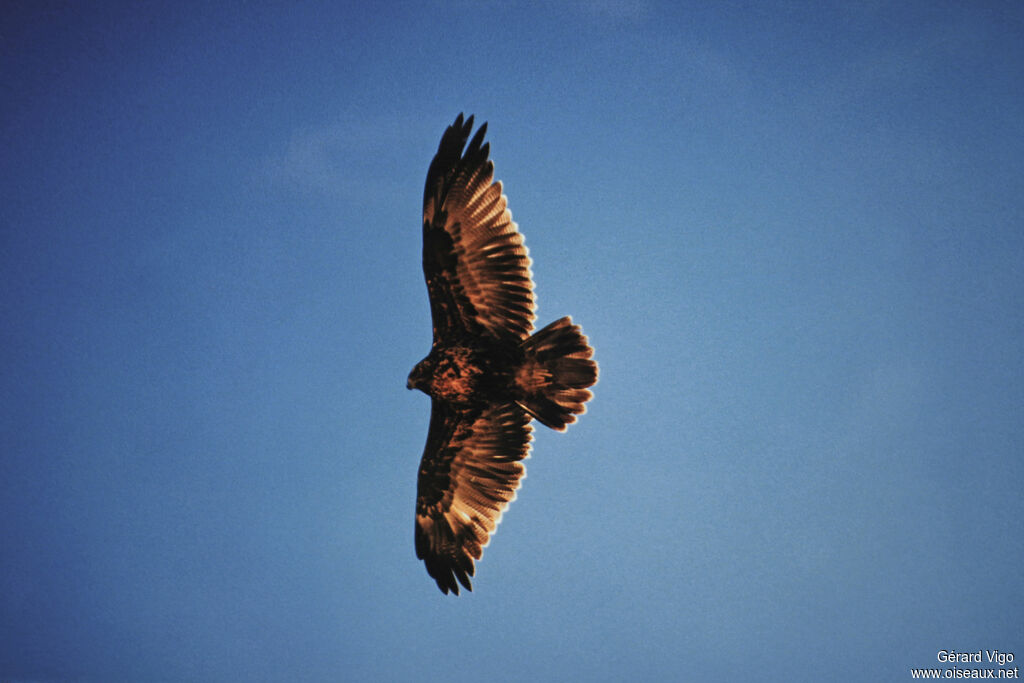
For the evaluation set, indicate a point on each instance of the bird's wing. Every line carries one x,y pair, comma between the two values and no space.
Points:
476,265
469,473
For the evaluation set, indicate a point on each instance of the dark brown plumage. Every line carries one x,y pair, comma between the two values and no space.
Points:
486,375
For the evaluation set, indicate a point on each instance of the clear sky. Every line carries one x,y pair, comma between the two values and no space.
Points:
793,232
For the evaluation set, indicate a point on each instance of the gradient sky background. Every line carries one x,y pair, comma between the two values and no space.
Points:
794,233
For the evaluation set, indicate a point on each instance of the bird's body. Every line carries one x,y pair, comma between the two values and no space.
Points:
466,374
487,376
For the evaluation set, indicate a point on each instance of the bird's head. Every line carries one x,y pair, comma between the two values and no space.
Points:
418,378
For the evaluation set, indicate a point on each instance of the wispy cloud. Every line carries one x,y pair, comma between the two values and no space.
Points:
618,9
351,159
314,158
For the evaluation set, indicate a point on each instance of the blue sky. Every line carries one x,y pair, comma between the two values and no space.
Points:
792,231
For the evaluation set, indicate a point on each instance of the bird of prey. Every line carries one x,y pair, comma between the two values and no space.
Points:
486,375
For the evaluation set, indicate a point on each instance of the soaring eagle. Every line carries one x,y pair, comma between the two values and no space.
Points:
486,375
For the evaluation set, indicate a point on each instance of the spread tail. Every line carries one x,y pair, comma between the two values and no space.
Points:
554,377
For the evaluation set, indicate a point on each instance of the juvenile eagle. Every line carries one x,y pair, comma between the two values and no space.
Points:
487,377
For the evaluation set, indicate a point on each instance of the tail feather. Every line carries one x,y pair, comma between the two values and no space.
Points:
554,377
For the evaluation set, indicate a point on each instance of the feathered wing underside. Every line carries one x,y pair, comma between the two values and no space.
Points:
469,473
476,265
